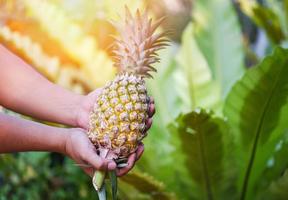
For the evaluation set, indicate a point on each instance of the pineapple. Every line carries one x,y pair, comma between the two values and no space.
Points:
117,122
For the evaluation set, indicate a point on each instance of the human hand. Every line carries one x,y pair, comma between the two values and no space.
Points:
82,151
83,122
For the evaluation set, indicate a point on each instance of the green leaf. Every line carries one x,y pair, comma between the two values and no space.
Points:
113,179
201,89
265,18
160,142
256,110
275,168
201,135
147,184
217,32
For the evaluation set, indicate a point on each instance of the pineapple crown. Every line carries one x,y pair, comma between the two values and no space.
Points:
135,50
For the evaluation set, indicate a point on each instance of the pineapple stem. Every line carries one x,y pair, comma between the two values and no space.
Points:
99,176
98,179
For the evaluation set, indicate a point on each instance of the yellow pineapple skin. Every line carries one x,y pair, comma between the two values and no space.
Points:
117,121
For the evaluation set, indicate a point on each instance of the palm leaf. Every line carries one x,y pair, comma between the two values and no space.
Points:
255,108
201,135
219,40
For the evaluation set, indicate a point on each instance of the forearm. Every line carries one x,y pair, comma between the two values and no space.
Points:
17,135
24,90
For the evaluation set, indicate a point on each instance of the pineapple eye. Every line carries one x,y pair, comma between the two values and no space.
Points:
112,94
114,101
134,98
113,119
132,89
115,129
141,88
108,112
129,106
122,90
103,125
124,99
124,116
143,98
121,139
124,127
102,99
138,106
134,126
141,116
133,116
132,137
119,108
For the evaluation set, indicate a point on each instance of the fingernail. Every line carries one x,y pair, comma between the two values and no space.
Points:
111,165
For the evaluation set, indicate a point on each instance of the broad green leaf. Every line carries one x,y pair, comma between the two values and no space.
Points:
265,18
160,142
202,91
202,141
147,184
256,109
218,35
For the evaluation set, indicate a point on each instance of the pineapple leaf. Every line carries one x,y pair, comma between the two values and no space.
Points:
256,109
219,40
202,90
147,184
202,139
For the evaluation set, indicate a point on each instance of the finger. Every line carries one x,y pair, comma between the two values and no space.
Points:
88,171
151,100
151,110
97,162
139,151
130,162
148,124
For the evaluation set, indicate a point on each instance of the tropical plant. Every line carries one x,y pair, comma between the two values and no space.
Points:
220,131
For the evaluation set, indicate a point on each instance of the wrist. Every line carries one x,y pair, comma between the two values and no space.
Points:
77,110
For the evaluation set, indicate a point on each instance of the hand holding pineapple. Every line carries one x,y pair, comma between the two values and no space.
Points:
24,90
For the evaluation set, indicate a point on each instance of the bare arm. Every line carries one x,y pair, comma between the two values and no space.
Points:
22,135
18,135
24,90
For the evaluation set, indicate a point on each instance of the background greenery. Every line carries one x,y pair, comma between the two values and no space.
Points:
221,91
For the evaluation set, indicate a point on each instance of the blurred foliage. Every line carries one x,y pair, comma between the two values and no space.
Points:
191,152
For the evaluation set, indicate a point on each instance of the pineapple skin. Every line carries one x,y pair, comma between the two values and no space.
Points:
117,121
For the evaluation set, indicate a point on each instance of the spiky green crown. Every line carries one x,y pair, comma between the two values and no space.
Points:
135,50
